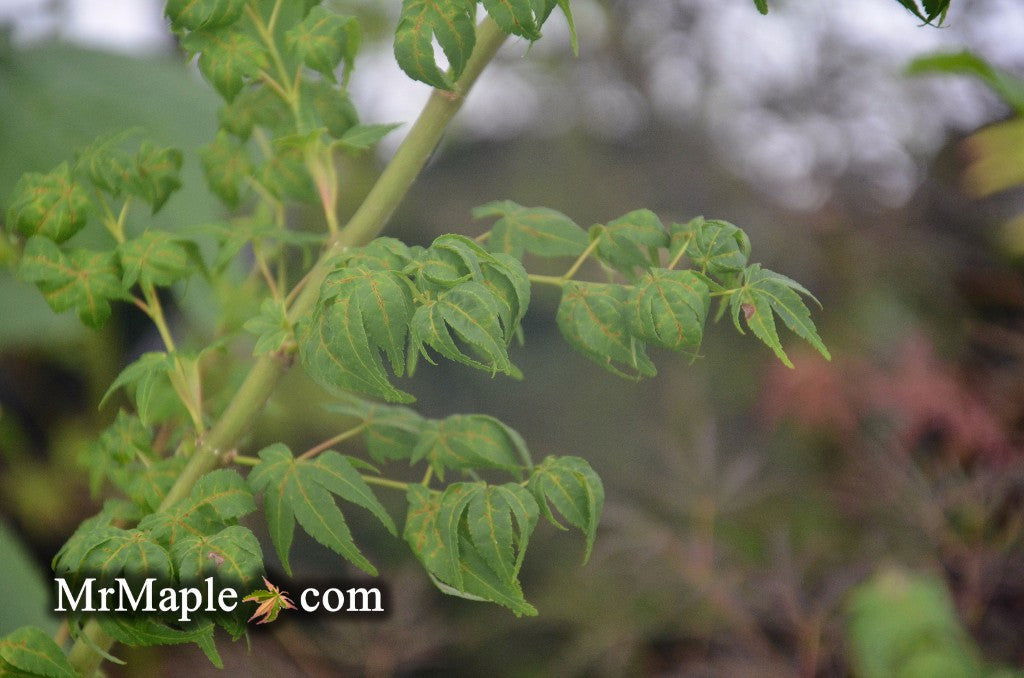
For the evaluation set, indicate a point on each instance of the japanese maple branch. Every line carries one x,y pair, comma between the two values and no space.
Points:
389,190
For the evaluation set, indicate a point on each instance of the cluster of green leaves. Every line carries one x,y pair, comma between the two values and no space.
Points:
465,302
925,10
196,537
470,536
452,25
48,209
282,69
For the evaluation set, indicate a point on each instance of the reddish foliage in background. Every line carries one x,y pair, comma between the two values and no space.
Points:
931,403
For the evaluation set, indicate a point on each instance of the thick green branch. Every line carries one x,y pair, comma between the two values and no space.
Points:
389,190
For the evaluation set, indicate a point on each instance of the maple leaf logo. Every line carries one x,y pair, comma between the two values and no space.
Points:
270,601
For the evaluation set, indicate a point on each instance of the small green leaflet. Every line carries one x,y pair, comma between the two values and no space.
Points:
228,58
227,165
155,175
537,230
470,441
51,205
668,309
232,555
271,327
515,17
112,454
1006,85
286,175
156,258
151,484
198,14
391,432
360,313
626,242
716,246
328,107
82,280
570,484
146,632
364,137
927,10
219,497
462,534
152,174
762,6
764,292
451,22
30,651
381,254
592,318
474,314
128,553
258,105
301,489
323,39
146,375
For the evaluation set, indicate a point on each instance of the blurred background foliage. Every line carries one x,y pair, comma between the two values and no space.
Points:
856,517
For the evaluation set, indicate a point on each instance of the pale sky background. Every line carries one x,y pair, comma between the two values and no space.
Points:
794,102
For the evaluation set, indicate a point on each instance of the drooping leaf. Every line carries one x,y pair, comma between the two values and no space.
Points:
515,17
625,243
381,254
436,531
142,631
258,106
391,432
128,553
509,282
470,441
271,327
363,137
324,39
328,107
286,175
232,556
473,313
1006,85
51,205
198,14
451,23
146,375
155,174
762,6
30,651
669,308
302,489
228,58
125,441
765,294
150,486
227,166
538,230
716,246
592,318
361,312
82,280
156,258
570,484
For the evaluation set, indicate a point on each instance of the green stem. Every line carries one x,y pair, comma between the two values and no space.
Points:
243,460
556,280
681,253
331,442
366,223
583,257
385,482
